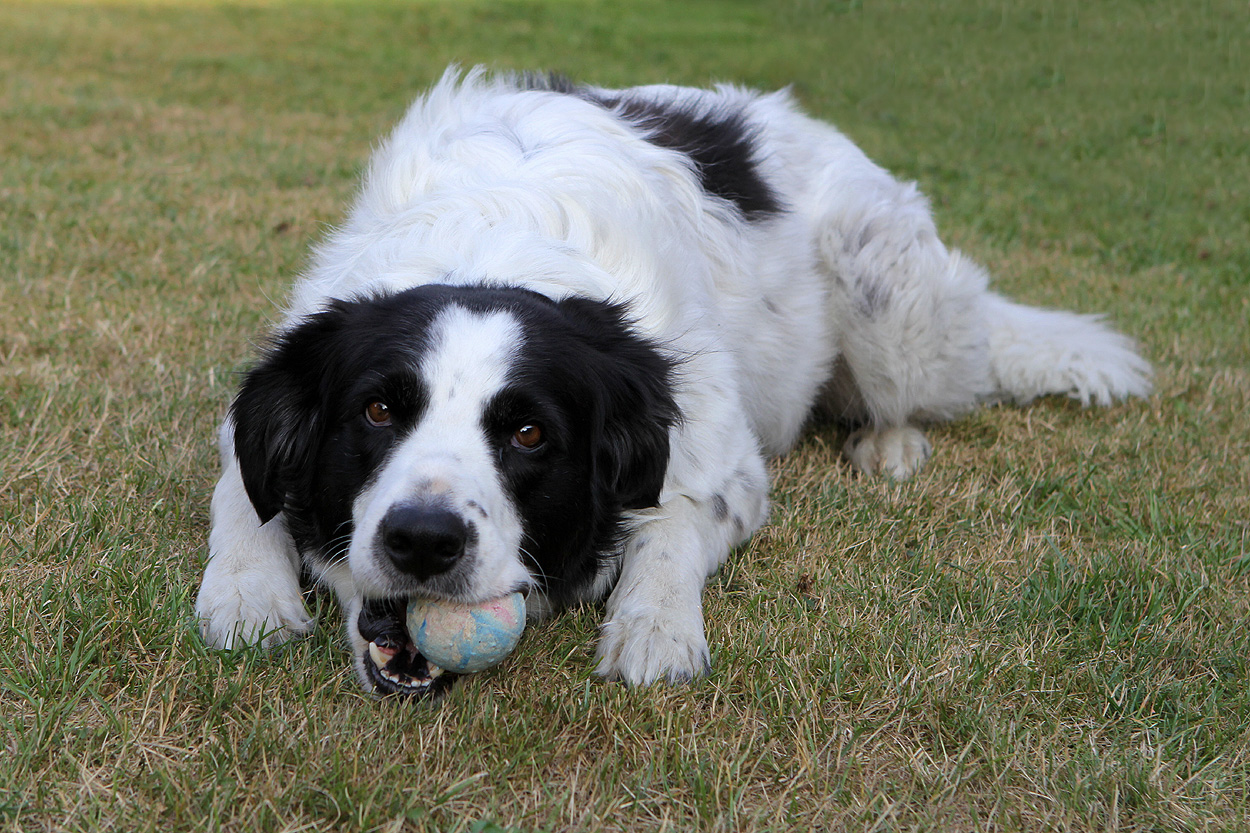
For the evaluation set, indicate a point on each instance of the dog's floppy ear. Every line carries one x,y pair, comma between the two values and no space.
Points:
278,422
633,451
632,405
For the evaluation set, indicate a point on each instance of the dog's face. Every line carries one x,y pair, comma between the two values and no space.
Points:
453,442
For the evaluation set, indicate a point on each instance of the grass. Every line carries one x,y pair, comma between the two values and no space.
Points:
1045,630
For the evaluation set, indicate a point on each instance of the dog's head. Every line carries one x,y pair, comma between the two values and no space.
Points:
455,442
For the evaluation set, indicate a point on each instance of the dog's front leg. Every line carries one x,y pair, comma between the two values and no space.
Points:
251,588
654,626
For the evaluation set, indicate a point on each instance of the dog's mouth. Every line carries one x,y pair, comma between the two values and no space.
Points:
392,663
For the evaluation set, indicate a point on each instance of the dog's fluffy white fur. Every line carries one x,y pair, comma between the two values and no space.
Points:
837,295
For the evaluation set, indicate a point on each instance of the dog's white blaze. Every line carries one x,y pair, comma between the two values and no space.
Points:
449,457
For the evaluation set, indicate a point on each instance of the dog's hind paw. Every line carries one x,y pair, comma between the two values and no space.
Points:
898,451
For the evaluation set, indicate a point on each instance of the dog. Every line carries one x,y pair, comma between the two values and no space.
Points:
554,343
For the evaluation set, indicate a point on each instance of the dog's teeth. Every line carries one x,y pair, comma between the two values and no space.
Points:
375,653
433,669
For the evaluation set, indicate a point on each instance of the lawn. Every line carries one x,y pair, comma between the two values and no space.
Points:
1045,630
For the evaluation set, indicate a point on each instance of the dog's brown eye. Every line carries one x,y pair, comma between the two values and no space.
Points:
528,437
378,413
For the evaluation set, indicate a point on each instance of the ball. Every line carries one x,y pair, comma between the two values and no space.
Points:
466,638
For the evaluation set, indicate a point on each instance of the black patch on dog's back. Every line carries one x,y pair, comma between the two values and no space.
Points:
721,143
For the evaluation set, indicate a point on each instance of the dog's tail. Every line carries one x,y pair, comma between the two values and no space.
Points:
1037,352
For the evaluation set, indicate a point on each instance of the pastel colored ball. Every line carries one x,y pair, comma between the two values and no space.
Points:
466,638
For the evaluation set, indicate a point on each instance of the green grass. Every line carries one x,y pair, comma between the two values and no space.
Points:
1045,630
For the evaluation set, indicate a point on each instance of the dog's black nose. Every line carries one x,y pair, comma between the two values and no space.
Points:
423,540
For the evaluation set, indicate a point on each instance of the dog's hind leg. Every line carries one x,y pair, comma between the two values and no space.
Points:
921,338
909,315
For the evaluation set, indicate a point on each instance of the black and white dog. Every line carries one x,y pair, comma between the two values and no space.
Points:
556,340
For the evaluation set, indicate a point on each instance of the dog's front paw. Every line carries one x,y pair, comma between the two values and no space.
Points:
250,609
647,646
